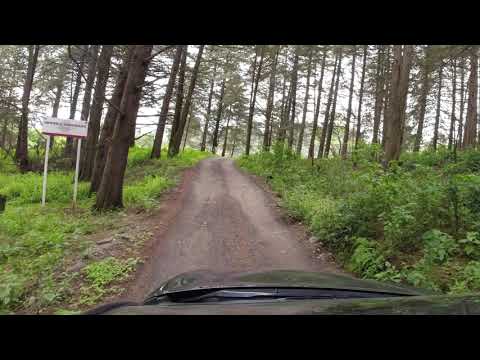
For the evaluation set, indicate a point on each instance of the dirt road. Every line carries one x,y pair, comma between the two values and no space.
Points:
220,219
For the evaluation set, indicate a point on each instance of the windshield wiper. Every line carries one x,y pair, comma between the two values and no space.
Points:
233,294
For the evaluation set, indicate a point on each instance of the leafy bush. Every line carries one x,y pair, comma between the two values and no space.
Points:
366,259
471,245
438,246
409,215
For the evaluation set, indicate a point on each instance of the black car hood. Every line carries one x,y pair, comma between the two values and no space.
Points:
204,279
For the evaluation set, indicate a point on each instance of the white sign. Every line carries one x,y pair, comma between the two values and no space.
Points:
65,127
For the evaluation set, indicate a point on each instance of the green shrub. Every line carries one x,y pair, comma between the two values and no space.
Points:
366,259
438,246
471,245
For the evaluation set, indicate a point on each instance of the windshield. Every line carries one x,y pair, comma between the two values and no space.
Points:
179,174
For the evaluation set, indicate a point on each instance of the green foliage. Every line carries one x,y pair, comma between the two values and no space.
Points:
366,259
101,274
145,193
438,246
471,245
413,223
34,241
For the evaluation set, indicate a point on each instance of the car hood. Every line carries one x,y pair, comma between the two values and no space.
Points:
204,279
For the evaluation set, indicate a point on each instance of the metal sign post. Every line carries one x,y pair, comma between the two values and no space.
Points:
77,165
63,127
45,170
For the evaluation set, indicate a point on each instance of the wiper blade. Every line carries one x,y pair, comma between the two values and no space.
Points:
210,295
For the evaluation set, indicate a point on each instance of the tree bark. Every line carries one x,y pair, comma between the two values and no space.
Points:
462,104
111,188
178,102
454,97
323,135
305,104
400,73
87,94
349,110
271,93
189,121
174,148
281,132
226,137
380,81
56,103
162,120
21,153
334,105
219,115
96,113
109,123
252,103
74,100
293,100
311,149
470,135
422,102
437,115
285,110
386,93
360,97
209,108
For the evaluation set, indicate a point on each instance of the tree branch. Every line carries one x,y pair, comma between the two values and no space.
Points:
159,52
83,76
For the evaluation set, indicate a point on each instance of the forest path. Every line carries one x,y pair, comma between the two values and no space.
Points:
223,220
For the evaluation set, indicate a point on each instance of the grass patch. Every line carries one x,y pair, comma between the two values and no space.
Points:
100,274
35,241
418,223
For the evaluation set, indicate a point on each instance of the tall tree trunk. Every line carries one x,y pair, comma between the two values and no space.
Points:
349,110
305,104
252,103
400,73
380,81
386,93
454,97
162,120
189,121
109,122
21,153
96,113
437,115
56,103
323,135
470,135
179,101
334,105
219,115
360,97
178,135
111,188
462,103
281,126
285,110
68,151
233,146
311,149
271,92
226,137
209,109
87,93
293,100
422,102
